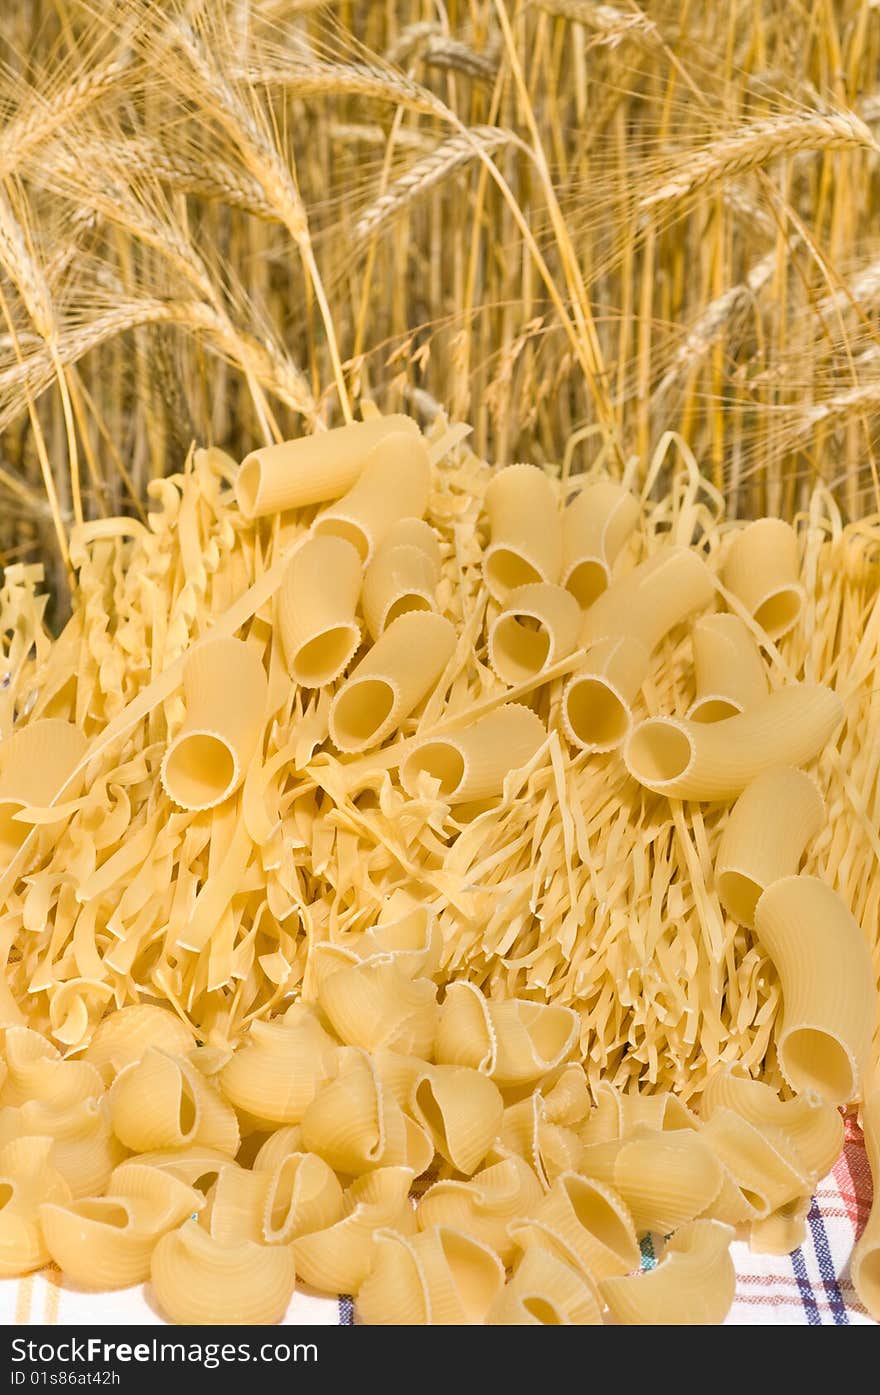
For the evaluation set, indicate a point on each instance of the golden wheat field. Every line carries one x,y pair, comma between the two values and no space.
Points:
424,876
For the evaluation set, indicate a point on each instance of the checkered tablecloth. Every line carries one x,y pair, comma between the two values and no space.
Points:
810,1287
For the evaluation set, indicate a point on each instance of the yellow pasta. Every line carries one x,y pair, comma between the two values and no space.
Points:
592,1224
472,764
276,1073
812,1127
764,1167
355,1124
302,1195
375,1003
538,625
339,1258
225,691
440,1277
761,570
525,530
236,1206
865,1264
35,762
595,525
398,580
27,1179
782,1231
652,599
84,1150
693,1284
197,1279
35,1069
765,837
546,1292
485,1205
123,1037
394,484
197,1166
164,1102
515,1042
657,1112
729,672
597,700
316,610
828,995
665,1178
549,1148
311,469
390,682
717,760
461,1111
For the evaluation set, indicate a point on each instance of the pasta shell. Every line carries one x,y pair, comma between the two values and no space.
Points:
37,1070
465,1030
484,1206
197,1279
236,1205
84,1150
375,1004
197,1167
531,1039
765,1169
276,1074
693,1284
461,1110
355,1123
277,1147
122,1038
782,1231
27,1178
593,1223
164,1102
666,1178
302,1195
660,1111
339,1258
546,1292
605,1120
813,1127
437,1278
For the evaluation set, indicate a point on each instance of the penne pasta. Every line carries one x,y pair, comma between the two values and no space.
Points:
761,570
197,1279
35,763
828,995
225,691
440,1277
865,1263
473,764
595,525
390,682
317,601
597,700
765,837
311,469
538,625
693,1284
399,579
717,760
525,531
394,484
729,672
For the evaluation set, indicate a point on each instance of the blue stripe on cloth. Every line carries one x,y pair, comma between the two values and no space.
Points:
649,1259
346,1311
826,1265
808,1298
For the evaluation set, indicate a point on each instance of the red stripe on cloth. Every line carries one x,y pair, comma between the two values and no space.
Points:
853,1176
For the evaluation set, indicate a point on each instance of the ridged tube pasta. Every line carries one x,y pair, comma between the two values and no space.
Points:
729,672
338,1259
811,1125
391,680
539,624
35,763
225,690
597,700
485,1205
595,525
865,1263
665,1178
356,1124
438,1278
164,1102
122,1038
473,763
375,1004
312,469
693,1284
525,530
828,998
592,1223
765,837
546,1292
107,1242
27,1179
398,580
317,601
276,1073
395,483
461,1109
197,1279
761,570
652,599
37,1070
717,760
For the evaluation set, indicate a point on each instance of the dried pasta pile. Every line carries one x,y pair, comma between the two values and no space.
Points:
378,812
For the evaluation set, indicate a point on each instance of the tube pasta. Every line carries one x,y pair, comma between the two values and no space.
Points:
123,1037
597,700
473,764
415,532
311,469
811,1126
694,1282
765,837
395,483
27,1179
485,1205
538,625
390,681
865,1264
546,1292
717,760
225,690
317,601
652,599
525,529
595,525
164,1102
761,570
440,1277
398,580
375,1003
338,1259
729,672
355,1123
35,763
197,1279
461,1111
828,996
592,1223
279,1070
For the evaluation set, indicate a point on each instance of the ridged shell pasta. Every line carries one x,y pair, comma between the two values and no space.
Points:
196,1279
440,1277
693,1284
27,1180
546,1292
164,1102
339,1258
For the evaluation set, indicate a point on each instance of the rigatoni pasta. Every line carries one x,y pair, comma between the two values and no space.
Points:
525,530
729,673
765,837
538,625
35,762
472,764
317,601
595,525
394,484
597,700
761,570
